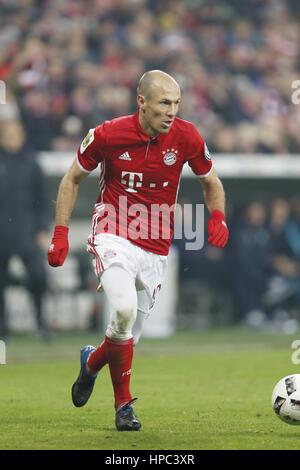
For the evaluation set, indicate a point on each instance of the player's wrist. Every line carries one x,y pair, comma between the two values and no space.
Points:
61,231
218,215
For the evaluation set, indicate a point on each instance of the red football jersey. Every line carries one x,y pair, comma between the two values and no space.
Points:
139,178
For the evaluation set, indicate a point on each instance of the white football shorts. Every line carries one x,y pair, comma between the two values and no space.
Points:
148,269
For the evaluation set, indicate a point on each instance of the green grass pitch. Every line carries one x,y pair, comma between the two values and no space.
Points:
199,390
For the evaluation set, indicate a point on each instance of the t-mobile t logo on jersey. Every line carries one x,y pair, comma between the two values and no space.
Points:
134,180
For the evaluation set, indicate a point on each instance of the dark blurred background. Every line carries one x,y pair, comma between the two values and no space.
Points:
70,64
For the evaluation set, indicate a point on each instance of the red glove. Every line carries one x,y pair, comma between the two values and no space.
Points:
59,247
217,229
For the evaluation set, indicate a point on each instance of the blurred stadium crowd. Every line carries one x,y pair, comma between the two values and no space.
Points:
70,64
256,279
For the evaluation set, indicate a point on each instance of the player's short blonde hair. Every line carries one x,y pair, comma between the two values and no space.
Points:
148,79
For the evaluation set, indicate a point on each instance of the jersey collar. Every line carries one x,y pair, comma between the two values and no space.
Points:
142,134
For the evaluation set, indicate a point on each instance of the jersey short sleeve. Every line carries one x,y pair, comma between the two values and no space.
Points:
198,157
92,150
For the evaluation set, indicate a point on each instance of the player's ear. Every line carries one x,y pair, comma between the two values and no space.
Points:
141,102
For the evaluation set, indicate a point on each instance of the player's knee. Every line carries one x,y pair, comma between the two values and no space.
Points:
138,327
122,320
136,337
125,316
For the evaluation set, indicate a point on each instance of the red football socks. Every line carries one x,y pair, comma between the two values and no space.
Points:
98,358
120,355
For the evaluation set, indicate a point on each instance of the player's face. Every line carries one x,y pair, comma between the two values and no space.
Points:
159,109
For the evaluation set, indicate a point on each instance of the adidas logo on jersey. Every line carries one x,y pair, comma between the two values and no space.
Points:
124,156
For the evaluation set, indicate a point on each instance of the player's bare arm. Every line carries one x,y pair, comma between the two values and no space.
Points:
66,200
214,197
213,192
67,194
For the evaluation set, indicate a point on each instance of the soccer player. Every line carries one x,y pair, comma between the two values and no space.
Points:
141,158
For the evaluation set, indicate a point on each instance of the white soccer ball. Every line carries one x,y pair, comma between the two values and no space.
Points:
286,399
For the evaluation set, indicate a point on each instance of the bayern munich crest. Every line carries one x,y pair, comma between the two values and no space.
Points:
170,156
